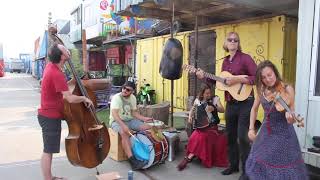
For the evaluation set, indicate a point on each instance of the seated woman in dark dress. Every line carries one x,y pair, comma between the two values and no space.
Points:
206,142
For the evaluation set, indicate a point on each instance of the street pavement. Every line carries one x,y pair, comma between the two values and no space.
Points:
21,143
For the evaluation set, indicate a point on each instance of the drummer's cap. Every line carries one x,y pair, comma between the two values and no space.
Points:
129,84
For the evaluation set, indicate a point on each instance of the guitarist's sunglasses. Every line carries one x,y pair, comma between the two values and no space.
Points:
232,40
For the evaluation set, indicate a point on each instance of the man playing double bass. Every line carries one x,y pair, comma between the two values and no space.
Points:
54,90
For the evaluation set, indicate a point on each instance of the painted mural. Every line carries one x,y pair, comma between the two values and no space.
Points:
123,25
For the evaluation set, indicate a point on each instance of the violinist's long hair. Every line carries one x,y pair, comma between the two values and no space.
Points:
259,83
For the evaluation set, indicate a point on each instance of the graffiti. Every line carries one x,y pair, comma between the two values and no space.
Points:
104,4
123,25
259,52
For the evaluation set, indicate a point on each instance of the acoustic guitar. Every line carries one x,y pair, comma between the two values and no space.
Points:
239,91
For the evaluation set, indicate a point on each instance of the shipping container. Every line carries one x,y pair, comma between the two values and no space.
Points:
149,52
27,62
97,61
115,55
34,68
128,57
39,67
6,65
268,38
273,39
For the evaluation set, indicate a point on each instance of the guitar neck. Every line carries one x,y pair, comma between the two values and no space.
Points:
192,69
213,77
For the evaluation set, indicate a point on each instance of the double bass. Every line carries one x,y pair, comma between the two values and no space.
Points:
88,141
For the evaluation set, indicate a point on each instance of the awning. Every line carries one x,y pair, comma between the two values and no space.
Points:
209,11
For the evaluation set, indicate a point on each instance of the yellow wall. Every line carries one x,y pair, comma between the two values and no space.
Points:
271,38
264,39
149,53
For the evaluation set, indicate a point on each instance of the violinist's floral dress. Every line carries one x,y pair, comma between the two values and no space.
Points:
275,154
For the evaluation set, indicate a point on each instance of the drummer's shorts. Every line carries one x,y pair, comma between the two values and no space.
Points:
133,124
51,134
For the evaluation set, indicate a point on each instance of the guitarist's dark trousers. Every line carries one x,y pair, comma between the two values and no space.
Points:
237,117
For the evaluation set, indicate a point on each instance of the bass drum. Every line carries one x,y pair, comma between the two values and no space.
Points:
158,149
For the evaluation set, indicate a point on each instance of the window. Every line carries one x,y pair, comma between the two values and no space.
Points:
76,15
317,78
90,17
77,18
315,62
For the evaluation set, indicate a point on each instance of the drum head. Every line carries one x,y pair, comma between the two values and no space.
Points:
157,134
144,139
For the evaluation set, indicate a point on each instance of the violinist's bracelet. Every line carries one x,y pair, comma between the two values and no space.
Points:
251,129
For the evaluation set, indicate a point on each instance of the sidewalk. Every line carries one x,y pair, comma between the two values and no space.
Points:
21,143
30,170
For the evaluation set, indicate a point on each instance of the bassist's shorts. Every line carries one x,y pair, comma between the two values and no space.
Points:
51,134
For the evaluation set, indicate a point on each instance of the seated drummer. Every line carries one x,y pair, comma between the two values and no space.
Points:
124,117
206,142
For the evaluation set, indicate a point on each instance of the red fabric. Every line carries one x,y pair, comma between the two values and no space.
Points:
210,146
53,83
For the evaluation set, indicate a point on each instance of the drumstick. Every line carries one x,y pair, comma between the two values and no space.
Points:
134,136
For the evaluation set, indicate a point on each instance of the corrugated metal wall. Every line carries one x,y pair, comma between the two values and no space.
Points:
270,38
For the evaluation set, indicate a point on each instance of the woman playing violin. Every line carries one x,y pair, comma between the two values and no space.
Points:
275,153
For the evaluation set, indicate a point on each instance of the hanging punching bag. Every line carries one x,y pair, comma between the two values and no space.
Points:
171,61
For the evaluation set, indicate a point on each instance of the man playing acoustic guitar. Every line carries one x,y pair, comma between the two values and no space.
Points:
237,112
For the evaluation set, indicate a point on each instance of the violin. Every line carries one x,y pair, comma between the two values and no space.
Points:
282,102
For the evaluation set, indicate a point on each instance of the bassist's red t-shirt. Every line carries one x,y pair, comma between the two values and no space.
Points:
53,83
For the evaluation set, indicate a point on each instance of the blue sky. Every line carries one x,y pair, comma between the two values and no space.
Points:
23,21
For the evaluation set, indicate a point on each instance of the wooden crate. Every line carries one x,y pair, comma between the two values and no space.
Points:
116,151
